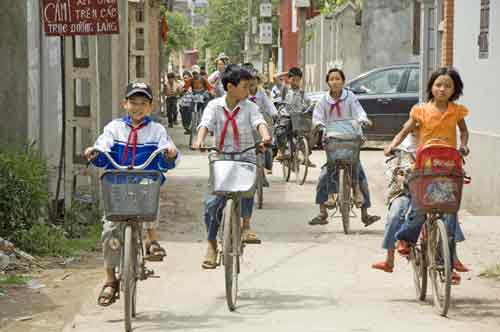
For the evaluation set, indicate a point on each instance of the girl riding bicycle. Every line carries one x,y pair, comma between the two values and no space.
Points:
437,119
340,104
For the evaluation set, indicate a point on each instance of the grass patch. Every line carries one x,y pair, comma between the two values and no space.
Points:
491,272
13,280
50,240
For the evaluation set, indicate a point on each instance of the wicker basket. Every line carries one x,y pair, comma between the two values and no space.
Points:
301,122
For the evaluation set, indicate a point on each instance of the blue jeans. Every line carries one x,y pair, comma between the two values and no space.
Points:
395,219
328,184
186,117
214,206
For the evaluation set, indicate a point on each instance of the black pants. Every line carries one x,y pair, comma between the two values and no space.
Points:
171,110
186,114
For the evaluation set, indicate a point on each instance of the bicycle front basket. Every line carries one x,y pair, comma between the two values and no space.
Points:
231,176
342,150
431,191
301,122
131,195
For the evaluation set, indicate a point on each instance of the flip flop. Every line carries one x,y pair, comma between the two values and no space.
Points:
455,279
210,261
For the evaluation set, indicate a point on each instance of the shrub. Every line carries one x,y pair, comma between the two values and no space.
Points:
23,190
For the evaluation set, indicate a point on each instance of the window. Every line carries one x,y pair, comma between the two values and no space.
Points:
139,13
140,71
484,29
139,39
413,81
381,82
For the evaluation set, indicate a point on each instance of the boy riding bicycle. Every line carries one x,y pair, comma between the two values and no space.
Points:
130,141
233,119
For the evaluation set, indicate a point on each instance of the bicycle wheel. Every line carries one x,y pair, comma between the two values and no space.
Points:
231,247
301,160
419,266
129,280
260,187
439,265
345,198
287,163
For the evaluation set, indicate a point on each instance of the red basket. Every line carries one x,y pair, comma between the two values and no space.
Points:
434,191
437,182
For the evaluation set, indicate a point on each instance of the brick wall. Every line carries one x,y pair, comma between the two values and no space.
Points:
289,39
447,53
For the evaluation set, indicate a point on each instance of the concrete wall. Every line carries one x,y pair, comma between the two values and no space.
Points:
13,71
480,78
387,33
333,41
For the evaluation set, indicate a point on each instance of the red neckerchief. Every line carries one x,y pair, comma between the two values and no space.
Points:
230,118
132,138
336,107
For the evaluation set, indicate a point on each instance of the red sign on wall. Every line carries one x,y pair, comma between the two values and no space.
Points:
80,17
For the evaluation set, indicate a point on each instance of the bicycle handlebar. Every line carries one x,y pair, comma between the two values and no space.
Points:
216,149
130,167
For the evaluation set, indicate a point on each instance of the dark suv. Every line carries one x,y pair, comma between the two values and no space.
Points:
387,95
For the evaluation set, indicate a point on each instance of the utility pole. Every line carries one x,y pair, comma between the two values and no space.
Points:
266,34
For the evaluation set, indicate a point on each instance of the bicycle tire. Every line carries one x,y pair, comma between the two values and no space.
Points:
440,266
260,187
301,160
194,127
231,244
128,276
286,164
419,267
345,199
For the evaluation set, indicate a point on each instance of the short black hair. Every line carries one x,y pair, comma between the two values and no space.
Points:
335,70
234,74
187,72
455,77
294,72
171,75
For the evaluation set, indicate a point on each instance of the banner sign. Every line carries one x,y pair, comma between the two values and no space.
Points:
80,17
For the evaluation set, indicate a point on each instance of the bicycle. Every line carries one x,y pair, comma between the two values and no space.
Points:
342,146
233,179
259,183
131,196
435,191
198,100
298,126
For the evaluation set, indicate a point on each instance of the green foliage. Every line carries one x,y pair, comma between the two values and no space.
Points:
23,190
9,280
51,240
180,34
328,6
225,29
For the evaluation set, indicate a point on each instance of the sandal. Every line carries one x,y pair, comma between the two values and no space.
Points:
383,266
458,266
250,237
210,261
403,249
155,252
320,219
106,299
368,220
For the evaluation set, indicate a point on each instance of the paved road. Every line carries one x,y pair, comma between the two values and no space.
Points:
301,278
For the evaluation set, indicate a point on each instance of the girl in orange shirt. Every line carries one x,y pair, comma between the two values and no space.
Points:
436,120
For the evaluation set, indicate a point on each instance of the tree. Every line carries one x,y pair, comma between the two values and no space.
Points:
225,29
328,6
180,32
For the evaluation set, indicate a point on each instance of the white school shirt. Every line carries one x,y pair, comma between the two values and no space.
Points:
247,120
350,108
264,103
